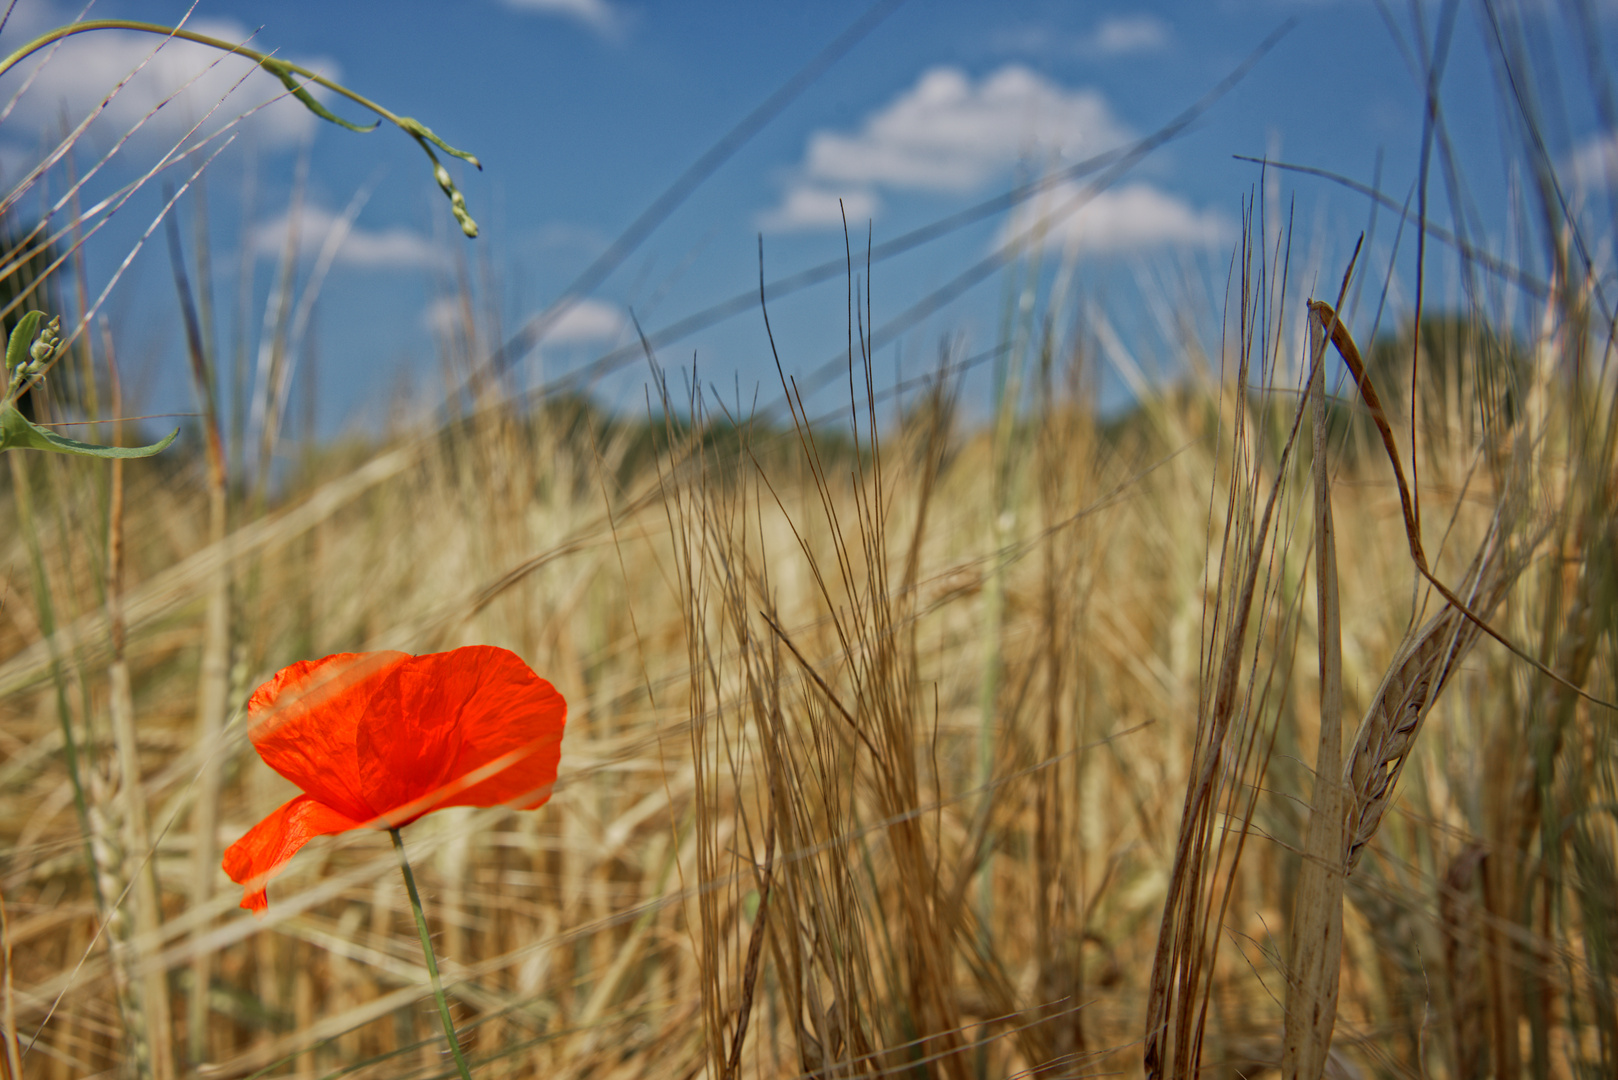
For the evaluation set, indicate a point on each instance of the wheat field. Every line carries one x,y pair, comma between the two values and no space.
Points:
907,740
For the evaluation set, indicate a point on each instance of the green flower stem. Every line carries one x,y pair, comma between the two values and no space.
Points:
432,963
289,74
188,35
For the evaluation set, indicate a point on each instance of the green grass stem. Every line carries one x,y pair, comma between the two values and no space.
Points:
432,961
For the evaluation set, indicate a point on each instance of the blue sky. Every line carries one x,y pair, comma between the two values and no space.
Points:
584,111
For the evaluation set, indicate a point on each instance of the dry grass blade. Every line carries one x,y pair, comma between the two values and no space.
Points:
161,594
1463,969
8,1004
156,1040
213,686
1226,767
755,950
820,682
1317,914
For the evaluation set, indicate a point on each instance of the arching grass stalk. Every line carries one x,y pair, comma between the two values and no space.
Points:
432,962
296,79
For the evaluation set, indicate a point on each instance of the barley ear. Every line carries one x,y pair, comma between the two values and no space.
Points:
1387,733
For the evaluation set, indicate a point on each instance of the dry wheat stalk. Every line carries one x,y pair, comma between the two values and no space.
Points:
154,1041
1458,914
1426,661
1317,922
1414,679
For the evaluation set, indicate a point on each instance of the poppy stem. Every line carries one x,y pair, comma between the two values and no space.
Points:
432,962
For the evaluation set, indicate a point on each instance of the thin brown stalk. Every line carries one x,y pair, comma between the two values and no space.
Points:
1181,967
1411,508
139,854
820,682
1317,915
213,682
1459,919
755,948
8,1018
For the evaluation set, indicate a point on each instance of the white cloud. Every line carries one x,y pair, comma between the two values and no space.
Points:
394,247
443,316
598,15
1594,165
1114,36
1120,219
587,321
1125,35
85,68
807,207
30,19
948,134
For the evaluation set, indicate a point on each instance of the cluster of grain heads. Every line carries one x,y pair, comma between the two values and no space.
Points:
1352,791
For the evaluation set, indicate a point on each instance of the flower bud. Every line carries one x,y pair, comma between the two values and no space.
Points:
46,344
41,350
457,201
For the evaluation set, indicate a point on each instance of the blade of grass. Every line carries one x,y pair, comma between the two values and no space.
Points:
1317,916
137,839
213,677
9,1003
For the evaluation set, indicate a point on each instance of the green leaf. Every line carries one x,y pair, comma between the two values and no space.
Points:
18,432
21,338
283,71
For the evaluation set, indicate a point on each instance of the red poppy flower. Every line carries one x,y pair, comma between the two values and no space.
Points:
376,740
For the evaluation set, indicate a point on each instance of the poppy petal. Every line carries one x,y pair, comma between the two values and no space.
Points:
260,854
449,717
410,738
307,720
516,715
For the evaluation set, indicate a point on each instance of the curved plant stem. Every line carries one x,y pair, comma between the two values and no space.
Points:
254,55
432,962
295,77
